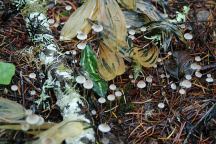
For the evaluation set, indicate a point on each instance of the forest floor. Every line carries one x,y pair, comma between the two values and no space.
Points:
160,113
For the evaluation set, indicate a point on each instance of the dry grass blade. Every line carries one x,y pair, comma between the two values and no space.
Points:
78,21
110,64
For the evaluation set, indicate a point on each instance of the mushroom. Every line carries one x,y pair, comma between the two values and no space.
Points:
104,128
81,36
141,84
81,45
97,28
112,87
111,97
101,100
88,84
80,79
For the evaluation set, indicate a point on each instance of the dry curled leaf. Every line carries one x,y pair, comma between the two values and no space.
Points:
128,4
78,21
113,21
110,64
146,57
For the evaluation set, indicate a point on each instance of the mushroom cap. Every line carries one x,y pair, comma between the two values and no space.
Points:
97,27
132,32
141,84
32,119
161,105
14,87
48,140
209,79
68,7
197,58
81,45
143,29
104,128
32,75
195,66
88,84
186,84
101,100
188,36
118,93
173,86
208,75
81,36
80,79
112,87
198,74
188,77
149,79
182,91
111,97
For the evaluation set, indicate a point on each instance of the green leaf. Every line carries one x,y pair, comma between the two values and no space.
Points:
7,70
89,64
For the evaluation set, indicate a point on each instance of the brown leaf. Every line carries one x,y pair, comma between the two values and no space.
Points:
110,64
78,21
146,57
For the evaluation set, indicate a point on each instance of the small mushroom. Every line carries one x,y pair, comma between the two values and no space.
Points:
111,97
81,36
80,79
88,84
104,128
141,84
81,45
97,28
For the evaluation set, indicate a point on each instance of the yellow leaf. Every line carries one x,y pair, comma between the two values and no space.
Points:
145,57
113,21
128,4
110,64
59,132
78,21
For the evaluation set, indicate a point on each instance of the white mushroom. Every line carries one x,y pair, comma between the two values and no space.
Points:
112,87
188,36
14,87
188,77
93,112
208,75
143,29
195,66
131,76
182,91
141,84
209,79
81,45
104,128
32,119
32,92
81,36
111,97
51,21
197,58
149,79
68,7
173,86
118,93
132,32
169,53
186,84
80,79
161,105
101,100
198,74
32,75
88,84
97,27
